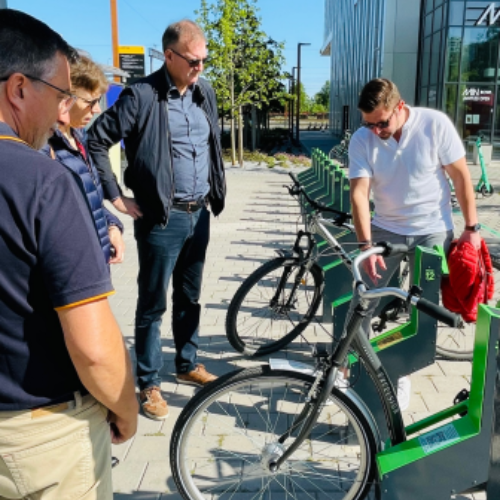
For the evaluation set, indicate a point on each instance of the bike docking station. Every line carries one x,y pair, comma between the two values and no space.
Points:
404,349
461,451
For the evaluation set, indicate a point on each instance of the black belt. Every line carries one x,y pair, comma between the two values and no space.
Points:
189,206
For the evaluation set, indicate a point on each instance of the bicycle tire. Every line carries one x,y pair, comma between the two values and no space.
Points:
259,327
458,343
228,433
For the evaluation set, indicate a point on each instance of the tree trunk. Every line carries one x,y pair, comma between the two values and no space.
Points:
254,129
240,136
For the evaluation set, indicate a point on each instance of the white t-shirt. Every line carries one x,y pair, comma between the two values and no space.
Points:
410,189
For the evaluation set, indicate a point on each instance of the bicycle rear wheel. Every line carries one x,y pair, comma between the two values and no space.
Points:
458,343
228,433
273,306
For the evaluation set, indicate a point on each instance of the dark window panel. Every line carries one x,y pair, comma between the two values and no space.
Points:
426,58
453,46
423,97
450,100
479,54
428,25
435,55
456,13
437,22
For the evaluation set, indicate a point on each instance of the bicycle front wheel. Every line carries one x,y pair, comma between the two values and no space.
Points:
229,432
273,306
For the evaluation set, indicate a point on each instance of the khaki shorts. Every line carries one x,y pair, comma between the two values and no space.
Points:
61,452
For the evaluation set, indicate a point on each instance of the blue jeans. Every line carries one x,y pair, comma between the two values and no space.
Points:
178,250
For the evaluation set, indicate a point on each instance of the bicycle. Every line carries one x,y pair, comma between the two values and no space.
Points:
298,431
280,299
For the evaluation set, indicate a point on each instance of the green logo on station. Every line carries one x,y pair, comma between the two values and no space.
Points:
430,275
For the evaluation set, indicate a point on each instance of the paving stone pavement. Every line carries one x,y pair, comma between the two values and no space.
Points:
259,218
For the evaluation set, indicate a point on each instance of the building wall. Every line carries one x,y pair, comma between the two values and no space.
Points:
366,39
3,4
401,45
353,36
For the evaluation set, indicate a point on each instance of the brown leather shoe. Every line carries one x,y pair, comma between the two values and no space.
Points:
199,377
153,404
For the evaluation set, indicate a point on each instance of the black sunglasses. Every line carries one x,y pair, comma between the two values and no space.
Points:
379,125
66,103
192,62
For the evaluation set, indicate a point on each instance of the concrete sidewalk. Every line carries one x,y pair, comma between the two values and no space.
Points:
259,217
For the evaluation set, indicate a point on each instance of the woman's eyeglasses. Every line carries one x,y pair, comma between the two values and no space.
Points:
92,103
192,62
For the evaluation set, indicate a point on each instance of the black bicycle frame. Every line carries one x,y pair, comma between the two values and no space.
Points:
354,337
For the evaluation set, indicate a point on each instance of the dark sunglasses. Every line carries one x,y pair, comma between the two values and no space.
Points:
91,103
192,62
379,125
65,104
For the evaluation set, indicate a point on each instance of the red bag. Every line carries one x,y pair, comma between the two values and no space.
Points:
470,281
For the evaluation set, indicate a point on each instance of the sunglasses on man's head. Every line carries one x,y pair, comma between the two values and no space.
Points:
192,62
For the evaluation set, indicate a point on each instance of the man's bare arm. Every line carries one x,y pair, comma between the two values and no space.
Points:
459,174
360,207
96,347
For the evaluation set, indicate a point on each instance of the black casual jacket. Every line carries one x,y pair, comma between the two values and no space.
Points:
140,118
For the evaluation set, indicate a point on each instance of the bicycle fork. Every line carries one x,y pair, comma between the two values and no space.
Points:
314,404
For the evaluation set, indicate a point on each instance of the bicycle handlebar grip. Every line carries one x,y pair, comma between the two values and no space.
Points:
393,248
438,312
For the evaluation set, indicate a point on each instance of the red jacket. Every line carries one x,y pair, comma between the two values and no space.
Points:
470,281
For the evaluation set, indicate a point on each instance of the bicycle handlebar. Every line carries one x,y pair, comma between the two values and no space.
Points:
437,312
298,189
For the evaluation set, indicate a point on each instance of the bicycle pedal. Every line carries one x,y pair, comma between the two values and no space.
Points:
463,395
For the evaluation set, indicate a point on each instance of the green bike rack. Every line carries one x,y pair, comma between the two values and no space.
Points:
402,350
311,172
461,453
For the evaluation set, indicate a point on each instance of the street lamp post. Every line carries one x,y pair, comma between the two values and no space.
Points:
292,114
299,46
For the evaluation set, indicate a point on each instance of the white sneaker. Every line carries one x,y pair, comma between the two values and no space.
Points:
404,391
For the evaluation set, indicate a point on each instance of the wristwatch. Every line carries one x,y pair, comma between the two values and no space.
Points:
475,228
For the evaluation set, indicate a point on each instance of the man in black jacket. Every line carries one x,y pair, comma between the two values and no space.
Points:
168,122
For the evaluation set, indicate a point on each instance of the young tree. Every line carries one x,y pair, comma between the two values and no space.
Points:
323,96
244,65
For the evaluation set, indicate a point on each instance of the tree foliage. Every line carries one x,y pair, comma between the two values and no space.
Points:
244,64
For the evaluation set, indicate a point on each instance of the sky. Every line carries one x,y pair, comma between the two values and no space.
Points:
86,25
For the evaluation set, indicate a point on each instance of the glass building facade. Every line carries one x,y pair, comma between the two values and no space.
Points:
459,65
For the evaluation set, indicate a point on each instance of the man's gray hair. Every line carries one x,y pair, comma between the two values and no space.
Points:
185,29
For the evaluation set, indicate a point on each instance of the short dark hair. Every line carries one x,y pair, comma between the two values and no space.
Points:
184,28
28,46
378,92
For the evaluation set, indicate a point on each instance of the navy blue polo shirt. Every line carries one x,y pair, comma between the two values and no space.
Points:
50,258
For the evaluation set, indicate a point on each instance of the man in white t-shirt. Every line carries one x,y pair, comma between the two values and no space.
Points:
402,155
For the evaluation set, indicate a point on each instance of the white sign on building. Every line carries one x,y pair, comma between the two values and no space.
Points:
490,15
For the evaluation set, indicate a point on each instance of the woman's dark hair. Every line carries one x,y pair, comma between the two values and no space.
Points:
28,46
